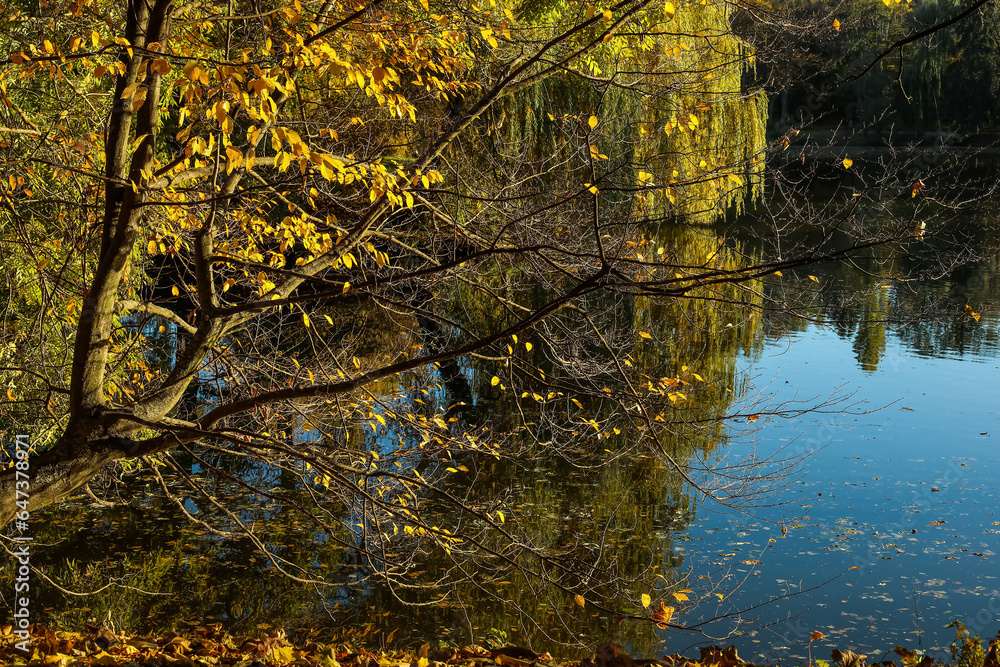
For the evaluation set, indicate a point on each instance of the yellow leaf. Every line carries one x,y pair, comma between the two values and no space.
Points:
814,279
234,158
607,14
495,381
129,91
488,36
500,516
778,273
577,403
736,179
10,395
816,635
645,600
848,162
527,346
669,10
423,3
681,597
592,122
579,600
305,320
283,655
175,291
719,595
347,286
151,247
836,24
590,11
645,335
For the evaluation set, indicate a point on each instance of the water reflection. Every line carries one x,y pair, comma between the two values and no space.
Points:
590,506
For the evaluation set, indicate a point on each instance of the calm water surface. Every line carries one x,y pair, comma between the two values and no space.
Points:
906,495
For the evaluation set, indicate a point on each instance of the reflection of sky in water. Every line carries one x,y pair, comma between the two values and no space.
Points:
908,493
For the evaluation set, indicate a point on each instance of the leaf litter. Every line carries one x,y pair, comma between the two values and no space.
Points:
197,646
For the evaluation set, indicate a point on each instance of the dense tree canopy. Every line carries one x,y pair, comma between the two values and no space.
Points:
944,81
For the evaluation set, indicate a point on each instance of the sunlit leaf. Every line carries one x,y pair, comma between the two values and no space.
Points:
662,615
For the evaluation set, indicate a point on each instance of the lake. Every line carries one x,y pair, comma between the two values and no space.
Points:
907,495
888,530
897,502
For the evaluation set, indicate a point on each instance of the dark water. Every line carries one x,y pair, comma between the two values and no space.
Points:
892,522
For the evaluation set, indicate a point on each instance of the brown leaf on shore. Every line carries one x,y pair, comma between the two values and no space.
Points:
720,657
848,658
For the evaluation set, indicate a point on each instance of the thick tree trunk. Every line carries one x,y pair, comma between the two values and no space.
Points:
55,474
92,440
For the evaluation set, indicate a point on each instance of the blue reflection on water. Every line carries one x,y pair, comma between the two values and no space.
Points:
906,495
